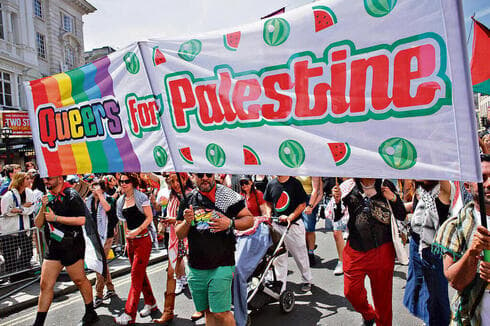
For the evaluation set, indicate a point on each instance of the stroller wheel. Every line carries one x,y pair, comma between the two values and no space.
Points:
286,301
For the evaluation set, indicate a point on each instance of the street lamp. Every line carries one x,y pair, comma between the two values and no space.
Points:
6,133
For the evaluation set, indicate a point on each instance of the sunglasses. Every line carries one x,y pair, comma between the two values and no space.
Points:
244,183
127,181
208,175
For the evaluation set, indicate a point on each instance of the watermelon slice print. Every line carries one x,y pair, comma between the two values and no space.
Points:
190,49
283,202
379,8
132,63
291,154
160,156
158,57
215,155
231,40
185,153
250,157
340,152
324,18
398,153
276,31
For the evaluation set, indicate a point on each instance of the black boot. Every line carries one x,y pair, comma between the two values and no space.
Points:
90,316
368,322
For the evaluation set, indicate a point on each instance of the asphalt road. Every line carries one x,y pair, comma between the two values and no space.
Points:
325,305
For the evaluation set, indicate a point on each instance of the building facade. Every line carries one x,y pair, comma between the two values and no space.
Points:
97,53
482,102
37,38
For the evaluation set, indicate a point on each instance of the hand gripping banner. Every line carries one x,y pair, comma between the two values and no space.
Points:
376,88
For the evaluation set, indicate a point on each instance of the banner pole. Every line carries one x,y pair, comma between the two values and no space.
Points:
182,189
483,216
481,202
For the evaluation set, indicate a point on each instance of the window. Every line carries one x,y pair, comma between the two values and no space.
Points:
38,8
15,28
1,23
69,57
41,45
67,23
5,89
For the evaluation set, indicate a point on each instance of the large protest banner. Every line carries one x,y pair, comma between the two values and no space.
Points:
376,88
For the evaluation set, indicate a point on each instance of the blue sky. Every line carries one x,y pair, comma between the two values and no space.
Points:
481,10
118,23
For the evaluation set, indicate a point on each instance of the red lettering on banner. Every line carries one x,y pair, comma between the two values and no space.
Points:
207,94
401,80
224,96
284,83
181,102
242,87
48,133
147,113
338,71
143,113
133,110
302,75
423,58
381,72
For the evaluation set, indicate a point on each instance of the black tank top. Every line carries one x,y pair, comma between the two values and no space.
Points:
134,218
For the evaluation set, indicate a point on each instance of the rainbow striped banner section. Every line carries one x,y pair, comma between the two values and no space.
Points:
91,84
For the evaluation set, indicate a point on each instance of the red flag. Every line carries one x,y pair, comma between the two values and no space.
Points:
480,61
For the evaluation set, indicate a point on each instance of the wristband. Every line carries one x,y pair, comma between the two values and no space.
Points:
232,224
55,218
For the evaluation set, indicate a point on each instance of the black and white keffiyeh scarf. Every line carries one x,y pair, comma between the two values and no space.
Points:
425,219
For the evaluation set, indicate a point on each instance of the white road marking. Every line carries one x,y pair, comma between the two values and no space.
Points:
62,304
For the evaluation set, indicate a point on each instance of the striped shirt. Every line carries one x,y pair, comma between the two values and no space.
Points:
454,237
173,206
173,241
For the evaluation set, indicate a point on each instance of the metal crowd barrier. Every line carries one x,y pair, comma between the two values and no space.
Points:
20,252
21,257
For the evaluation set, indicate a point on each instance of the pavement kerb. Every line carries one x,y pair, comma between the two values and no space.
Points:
72,288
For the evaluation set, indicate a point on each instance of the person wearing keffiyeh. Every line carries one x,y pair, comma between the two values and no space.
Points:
426,292
461,240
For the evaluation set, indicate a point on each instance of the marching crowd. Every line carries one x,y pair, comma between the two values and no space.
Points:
218,227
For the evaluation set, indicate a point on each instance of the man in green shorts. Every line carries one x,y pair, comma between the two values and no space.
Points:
214,212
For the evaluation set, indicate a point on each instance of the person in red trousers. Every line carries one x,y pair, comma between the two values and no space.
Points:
133,208
369,250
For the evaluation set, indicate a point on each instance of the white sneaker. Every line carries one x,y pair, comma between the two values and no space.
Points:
179,287
147,309
183,279
124,319
339,270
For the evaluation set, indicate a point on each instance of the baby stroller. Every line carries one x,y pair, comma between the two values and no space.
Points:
261,289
